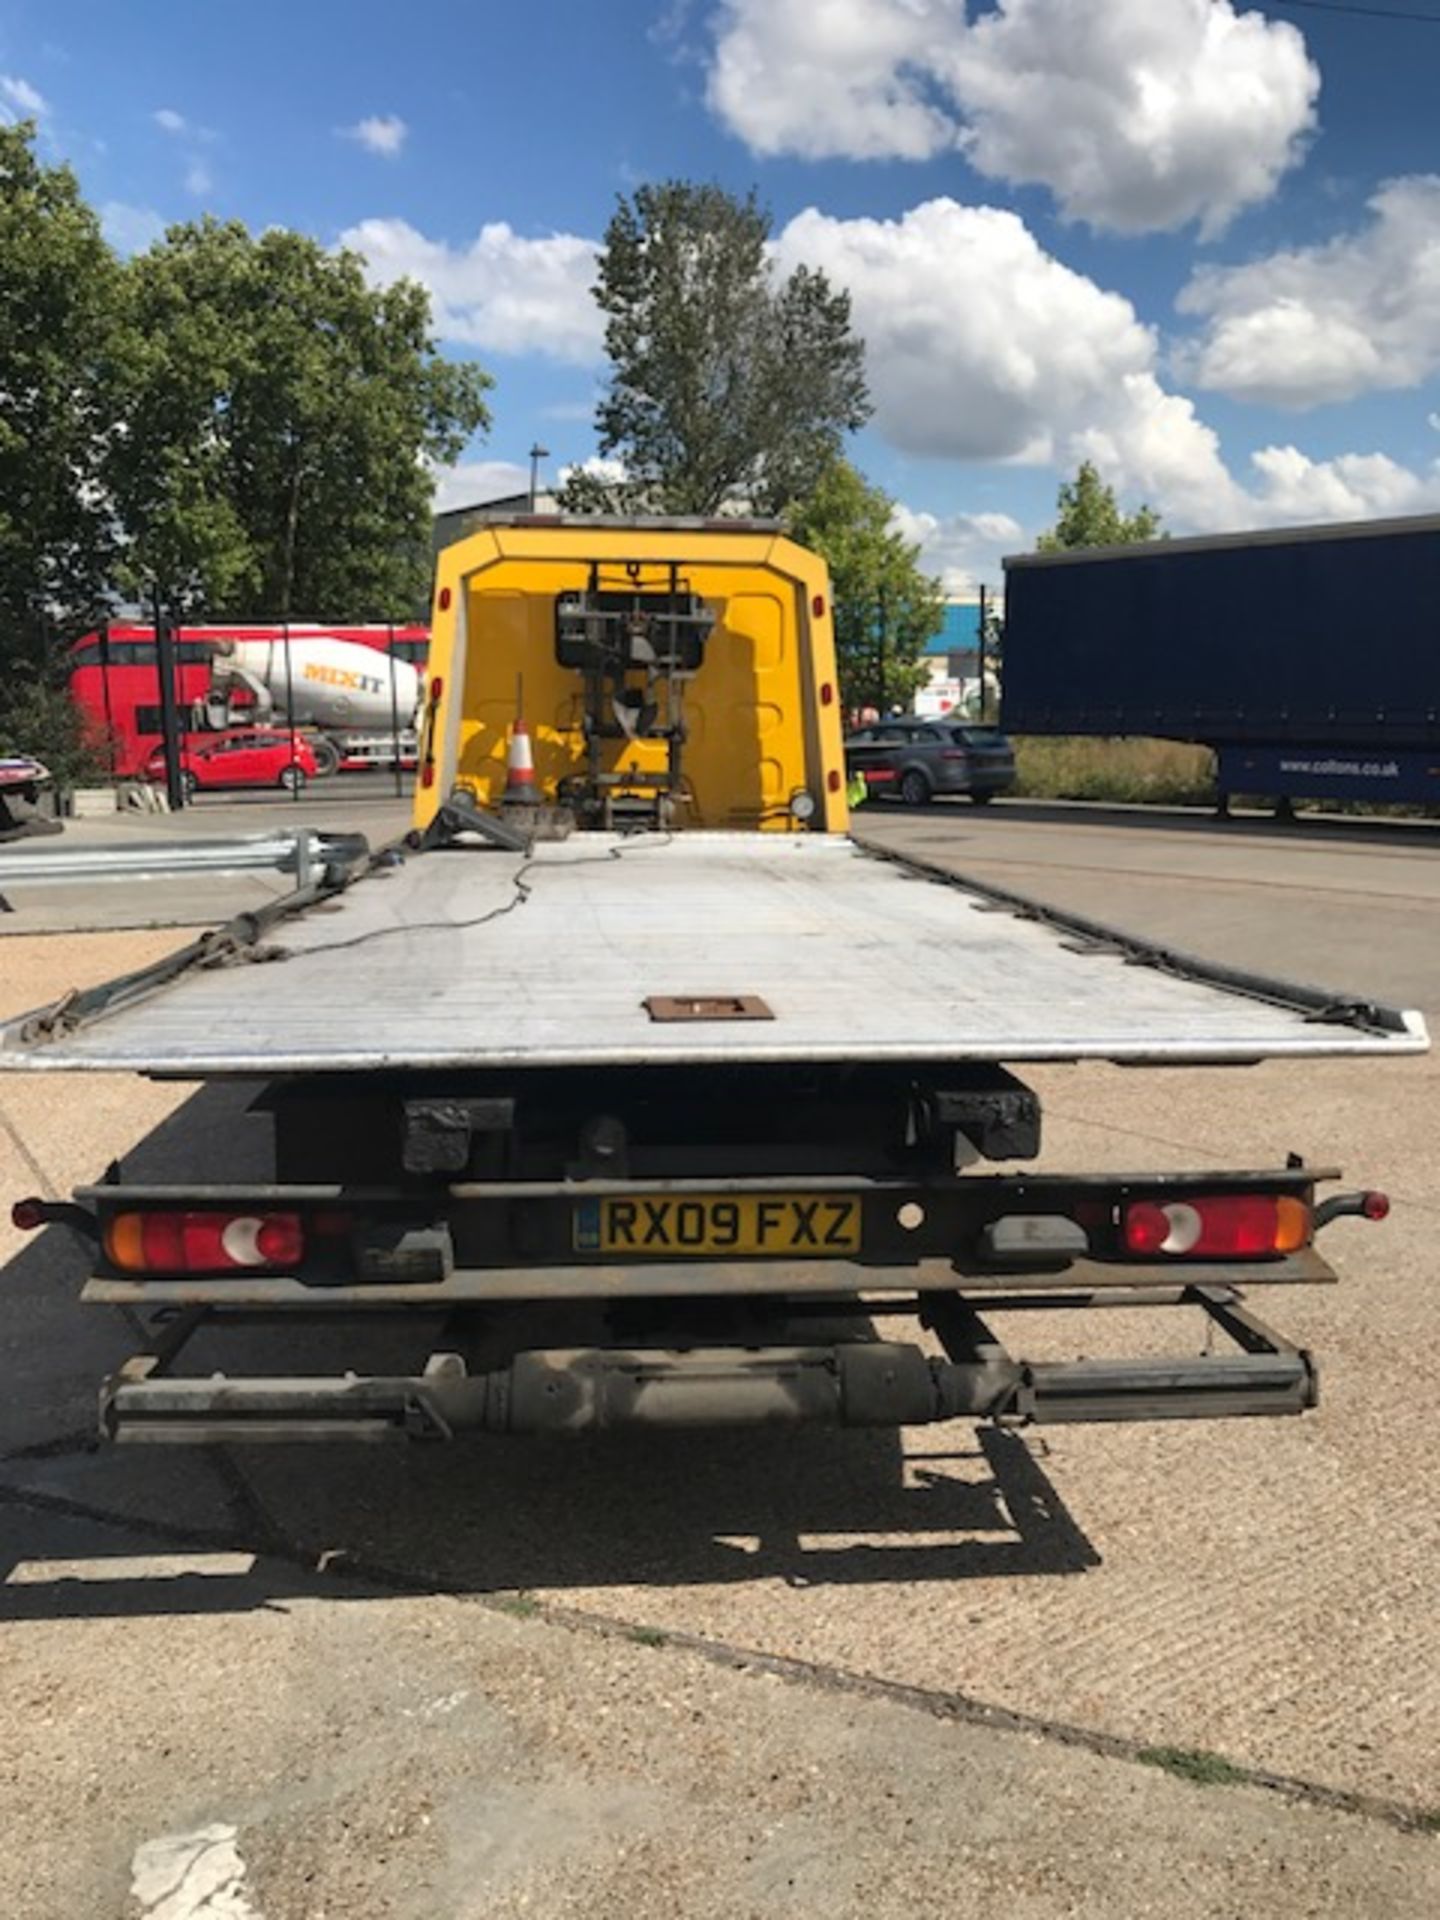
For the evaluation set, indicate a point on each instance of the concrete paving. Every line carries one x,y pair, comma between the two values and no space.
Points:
198,1734
193,1695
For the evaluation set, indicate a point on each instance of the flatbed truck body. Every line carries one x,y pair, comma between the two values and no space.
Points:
709,1105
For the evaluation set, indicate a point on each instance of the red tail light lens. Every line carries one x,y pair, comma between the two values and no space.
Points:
1216,1226
204,1242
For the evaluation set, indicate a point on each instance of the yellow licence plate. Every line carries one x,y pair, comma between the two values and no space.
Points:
745,1225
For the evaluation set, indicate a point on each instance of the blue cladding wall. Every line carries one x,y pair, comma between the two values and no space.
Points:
960,631
1324,638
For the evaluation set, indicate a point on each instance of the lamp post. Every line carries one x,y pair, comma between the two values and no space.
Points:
537,454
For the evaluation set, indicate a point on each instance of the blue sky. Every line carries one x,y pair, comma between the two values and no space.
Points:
1198,243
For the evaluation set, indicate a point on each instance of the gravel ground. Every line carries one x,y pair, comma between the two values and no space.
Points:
1261,1589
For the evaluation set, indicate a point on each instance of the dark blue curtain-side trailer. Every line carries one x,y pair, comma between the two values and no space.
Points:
1307,657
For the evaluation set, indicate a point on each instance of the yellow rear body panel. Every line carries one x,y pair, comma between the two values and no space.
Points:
762,713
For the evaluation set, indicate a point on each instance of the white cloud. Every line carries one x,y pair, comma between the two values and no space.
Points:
962,548
18,94
834,78
995,528
1136,114
473,482
130,229
600,466
1353,486
980,346
382,133
1325,323
198,179
503,292
170,120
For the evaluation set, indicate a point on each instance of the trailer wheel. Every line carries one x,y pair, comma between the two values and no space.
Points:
915,788
292,778
327,755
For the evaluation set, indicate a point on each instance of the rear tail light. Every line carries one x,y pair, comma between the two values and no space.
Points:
203,1242
1216,1226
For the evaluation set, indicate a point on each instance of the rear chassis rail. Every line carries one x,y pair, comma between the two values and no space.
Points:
504,1248
854,1382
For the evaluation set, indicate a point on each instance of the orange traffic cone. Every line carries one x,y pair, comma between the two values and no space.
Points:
519,769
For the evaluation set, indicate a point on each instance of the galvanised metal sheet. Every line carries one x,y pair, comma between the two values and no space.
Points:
473,956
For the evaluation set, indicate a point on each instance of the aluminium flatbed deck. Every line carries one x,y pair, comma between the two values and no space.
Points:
470,955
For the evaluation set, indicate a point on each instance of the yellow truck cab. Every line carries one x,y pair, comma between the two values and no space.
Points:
678,673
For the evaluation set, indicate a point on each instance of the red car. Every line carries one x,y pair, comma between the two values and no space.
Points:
240,757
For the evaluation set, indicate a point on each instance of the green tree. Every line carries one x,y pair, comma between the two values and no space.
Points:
280,417
725,386
1089,516
57,341
886,608
38,717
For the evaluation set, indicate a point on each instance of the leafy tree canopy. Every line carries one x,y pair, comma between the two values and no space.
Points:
279,416
39,718
726,386
58,284
1090,517
886,608
238,420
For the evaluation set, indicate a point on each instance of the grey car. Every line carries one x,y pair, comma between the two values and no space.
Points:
916,759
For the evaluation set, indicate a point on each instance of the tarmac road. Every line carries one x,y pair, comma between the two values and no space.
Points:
200,1701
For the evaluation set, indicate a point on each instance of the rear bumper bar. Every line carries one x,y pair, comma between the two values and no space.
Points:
497,1240
850,1383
